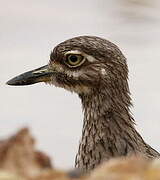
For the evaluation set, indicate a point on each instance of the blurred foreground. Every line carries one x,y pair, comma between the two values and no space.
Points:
20,161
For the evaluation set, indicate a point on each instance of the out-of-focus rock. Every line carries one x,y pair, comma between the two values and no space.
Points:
20,161
130,168
4,175
18,155
53,175
74,174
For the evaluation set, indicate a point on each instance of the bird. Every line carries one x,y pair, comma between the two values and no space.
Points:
96,70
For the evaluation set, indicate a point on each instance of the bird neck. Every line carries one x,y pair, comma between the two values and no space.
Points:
108,128
107,111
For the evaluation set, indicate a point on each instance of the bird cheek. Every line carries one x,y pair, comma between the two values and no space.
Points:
56,67
52,81
82,89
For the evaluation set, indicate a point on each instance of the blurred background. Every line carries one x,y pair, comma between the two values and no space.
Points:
28,32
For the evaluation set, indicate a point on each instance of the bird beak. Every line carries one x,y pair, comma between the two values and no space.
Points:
42,74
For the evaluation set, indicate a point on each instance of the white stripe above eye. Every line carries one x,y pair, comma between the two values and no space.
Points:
73,52
88,57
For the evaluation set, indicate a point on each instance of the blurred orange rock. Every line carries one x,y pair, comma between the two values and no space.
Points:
18,155
127,168
20,161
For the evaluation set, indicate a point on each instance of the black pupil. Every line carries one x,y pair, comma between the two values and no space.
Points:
73,58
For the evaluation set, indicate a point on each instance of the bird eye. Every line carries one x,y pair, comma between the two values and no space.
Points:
74,60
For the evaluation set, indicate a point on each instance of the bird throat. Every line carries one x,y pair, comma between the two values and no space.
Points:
108,129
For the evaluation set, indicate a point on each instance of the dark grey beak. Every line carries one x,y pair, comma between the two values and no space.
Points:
42,74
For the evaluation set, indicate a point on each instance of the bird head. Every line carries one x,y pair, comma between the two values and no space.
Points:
81,64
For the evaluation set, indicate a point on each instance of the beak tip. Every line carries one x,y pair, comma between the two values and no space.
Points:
11,82
7,83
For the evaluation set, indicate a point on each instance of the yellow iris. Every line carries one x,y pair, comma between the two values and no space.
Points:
74,60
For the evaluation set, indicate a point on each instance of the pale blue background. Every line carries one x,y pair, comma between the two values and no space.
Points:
30,29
